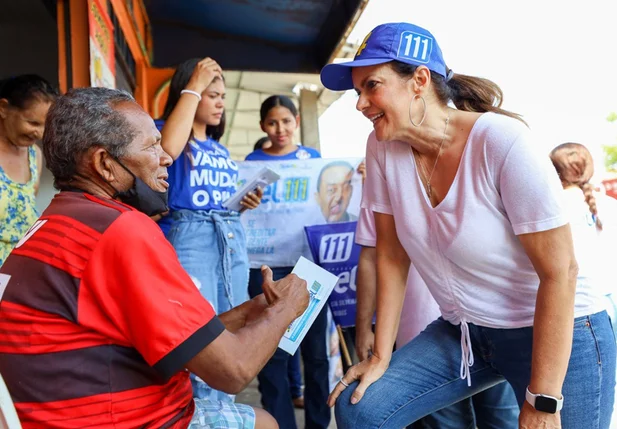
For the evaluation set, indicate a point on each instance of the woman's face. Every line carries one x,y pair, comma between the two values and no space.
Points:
24,127
212,104
383,98
280,125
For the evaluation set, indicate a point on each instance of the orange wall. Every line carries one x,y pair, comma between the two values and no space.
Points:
156,88
136,30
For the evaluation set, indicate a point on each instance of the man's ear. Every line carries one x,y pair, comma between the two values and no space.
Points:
103,164
4,106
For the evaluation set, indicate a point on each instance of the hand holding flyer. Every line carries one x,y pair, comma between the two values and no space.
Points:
320,284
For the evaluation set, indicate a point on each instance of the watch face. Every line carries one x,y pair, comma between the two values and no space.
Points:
547,405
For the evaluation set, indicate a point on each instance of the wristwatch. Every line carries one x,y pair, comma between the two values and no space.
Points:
544,403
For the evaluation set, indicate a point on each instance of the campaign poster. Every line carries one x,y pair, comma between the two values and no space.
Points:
334,248
309,192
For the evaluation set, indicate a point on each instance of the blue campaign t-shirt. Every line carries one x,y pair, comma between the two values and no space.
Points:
303,152
200,179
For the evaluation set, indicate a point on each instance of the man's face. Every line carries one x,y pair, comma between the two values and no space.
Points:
334,192
145,157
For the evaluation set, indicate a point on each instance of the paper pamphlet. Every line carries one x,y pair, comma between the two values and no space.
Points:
320,284
264,178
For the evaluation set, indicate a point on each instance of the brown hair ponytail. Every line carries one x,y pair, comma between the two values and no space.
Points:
468,93
574,165
476,94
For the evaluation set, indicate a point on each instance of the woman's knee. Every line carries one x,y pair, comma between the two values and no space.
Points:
263,420
348,414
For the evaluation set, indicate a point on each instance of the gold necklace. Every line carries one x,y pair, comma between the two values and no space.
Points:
429,189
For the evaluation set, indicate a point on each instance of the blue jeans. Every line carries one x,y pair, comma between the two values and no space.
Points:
211,247
493,408
274,381
294,375
423,376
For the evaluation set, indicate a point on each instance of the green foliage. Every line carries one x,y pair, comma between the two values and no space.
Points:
610,157
610,152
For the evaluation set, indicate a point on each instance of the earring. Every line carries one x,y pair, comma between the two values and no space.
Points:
423,115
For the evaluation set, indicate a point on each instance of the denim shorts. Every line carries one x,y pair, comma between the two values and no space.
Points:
221,415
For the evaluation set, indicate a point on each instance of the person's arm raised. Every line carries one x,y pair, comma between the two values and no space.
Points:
232,360
178,126
392,269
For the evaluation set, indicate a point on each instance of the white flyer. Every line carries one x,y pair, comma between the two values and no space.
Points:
263,178
320,284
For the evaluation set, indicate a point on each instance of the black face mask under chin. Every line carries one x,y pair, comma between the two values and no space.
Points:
142,197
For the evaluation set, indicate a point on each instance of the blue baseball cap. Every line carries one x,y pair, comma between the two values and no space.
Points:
401,41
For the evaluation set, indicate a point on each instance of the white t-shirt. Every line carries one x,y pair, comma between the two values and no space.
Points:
593,247
466,248
419,307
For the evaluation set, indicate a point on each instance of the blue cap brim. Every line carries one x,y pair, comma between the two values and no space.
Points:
337,77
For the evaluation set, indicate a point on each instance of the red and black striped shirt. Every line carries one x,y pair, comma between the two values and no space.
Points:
98,319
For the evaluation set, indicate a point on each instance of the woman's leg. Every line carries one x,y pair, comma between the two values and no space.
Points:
295,376
316,372
423,377
588,388
239,262
496,408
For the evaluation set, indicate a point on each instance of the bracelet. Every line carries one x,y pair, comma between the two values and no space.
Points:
190,91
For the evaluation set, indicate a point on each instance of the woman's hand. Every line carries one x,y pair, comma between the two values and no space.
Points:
534,419
362,170
252,199
368,371
204,73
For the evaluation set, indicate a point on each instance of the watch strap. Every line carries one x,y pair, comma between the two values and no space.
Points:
532,398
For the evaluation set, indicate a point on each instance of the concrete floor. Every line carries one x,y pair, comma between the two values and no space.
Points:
251,396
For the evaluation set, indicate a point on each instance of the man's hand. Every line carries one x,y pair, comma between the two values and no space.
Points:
258,305
365,340
291,290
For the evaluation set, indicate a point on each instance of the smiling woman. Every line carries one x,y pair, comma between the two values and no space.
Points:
465,193
24,102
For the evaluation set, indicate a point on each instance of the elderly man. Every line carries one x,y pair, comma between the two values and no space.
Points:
334,191
99,323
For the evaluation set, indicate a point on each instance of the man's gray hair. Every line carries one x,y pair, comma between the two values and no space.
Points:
79,120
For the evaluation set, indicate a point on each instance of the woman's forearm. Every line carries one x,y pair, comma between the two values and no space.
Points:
552,335
391,279
366,289
178,126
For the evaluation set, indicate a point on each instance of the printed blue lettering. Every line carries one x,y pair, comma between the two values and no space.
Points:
201,198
